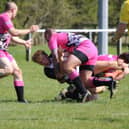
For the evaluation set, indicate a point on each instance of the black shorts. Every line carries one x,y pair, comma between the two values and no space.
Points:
86,67
82,57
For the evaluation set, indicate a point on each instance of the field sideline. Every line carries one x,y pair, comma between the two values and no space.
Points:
44,113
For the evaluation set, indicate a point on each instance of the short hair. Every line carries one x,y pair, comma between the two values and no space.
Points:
48,31
9,5
36,55
125,57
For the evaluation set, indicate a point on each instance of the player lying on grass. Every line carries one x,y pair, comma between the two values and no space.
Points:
112,65
106,66
42,58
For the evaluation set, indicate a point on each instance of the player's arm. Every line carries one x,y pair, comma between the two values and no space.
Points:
52,44
61,60
120,76
17,32
56,61
122,73
57,67
119,32
26,43
102,66
124,21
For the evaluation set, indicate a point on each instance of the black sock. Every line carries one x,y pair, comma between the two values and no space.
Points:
20,93
78,83
102,81
69,81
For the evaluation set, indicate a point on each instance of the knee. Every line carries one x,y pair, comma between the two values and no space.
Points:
17,72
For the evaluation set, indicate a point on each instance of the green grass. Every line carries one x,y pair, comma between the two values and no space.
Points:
44,113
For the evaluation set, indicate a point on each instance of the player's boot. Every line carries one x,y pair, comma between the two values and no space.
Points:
112,88
84,97
83,93
61,95
67,93
23,101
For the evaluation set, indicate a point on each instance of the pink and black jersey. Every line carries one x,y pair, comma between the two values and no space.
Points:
71,41
5,25
67,41
107,58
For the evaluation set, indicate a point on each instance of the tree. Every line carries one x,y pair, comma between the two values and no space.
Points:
62,13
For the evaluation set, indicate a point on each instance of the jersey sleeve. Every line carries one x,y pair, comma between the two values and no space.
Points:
7,23
124,13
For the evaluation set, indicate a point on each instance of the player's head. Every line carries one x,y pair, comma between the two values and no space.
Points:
41,58
12,8
125,57
48,32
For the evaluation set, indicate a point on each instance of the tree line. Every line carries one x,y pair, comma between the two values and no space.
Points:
62,13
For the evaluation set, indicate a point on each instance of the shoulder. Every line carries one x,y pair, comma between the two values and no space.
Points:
4,16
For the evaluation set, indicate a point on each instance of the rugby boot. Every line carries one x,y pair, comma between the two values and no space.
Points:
112,88
61,95
83,93
84,97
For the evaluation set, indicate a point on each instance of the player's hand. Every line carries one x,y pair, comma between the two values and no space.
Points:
60,53
113,40
34,28
126,68
28,43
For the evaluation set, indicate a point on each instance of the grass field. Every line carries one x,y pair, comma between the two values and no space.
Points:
44,113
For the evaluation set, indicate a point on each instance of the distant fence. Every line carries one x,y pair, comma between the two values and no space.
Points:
89,32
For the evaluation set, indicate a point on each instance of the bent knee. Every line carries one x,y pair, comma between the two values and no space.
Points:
17,71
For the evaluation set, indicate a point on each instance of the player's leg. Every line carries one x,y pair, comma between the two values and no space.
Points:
68,93
69,67
5,67
97,90
18,82
102,81
5,63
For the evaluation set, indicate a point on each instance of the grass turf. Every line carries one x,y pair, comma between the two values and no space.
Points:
44,113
